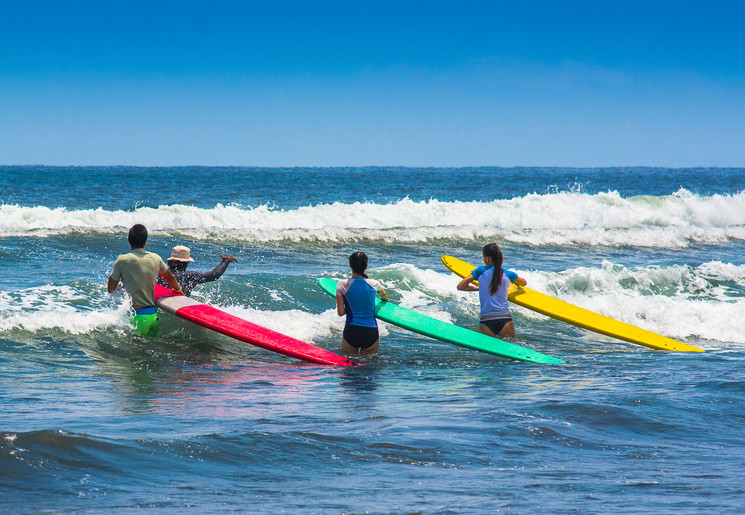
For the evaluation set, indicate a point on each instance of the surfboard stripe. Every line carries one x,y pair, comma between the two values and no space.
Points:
575,315
243,330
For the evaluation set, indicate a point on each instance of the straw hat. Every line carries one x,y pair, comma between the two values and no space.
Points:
180,253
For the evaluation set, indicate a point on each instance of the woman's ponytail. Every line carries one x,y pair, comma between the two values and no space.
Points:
493,251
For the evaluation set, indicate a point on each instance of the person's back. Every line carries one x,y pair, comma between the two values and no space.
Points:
138,271
493,304
355,298
494,282
359,295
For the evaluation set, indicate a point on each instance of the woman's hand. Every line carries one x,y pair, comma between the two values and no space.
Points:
383,295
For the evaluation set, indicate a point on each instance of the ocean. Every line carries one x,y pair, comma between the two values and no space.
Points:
95,418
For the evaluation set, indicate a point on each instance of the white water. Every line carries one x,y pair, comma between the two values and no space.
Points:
57,307
682,302
567,218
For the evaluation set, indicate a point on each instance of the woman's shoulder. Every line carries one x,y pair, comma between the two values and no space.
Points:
512,276
342,285
374,284
479,270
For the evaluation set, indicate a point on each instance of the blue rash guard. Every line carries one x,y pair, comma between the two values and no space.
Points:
359,300
493,306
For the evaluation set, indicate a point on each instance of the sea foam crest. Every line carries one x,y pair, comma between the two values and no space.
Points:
681,302
565,218
678,301
53,307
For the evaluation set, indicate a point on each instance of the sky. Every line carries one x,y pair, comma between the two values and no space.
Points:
384,83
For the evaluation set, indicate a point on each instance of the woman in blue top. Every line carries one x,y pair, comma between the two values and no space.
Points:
493,285
355,297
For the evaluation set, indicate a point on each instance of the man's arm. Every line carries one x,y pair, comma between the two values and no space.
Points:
171,280
112,284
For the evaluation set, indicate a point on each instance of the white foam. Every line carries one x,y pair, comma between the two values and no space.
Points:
49,307
680,302
565,218
305,326
677,301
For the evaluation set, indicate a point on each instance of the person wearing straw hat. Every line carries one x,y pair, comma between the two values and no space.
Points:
180,259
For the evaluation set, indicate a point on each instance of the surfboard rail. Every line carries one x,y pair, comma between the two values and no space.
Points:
577,316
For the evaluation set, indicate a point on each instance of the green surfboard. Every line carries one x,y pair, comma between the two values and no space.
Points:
428,326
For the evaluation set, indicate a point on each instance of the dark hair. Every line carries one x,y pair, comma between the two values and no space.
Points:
358,263
137,236
493,251
175,264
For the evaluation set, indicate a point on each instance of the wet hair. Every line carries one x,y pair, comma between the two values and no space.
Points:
137,236
358,263
493,251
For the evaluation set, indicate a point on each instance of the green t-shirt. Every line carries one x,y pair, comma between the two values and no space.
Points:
138,272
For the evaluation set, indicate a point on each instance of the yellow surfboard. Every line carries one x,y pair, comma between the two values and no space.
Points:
575,315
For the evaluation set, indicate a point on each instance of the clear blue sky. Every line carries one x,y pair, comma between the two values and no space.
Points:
332,83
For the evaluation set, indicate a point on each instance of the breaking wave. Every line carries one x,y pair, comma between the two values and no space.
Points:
563,219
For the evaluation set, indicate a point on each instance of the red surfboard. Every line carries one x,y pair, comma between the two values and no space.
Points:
243,330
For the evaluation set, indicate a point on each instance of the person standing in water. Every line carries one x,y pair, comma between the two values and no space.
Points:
494,282
177,263
355,298
138,271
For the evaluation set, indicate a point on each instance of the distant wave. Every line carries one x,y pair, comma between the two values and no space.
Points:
567,218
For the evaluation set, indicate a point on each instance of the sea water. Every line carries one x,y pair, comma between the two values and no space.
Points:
95,418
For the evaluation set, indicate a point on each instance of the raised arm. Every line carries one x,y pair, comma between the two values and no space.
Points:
205,277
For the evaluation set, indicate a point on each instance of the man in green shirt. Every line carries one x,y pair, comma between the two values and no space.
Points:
138,271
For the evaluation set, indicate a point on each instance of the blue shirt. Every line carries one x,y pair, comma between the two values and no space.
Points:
493,306
359,300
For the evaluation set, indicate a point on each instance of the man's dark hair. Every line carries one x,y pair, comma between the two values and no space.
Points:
137,236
